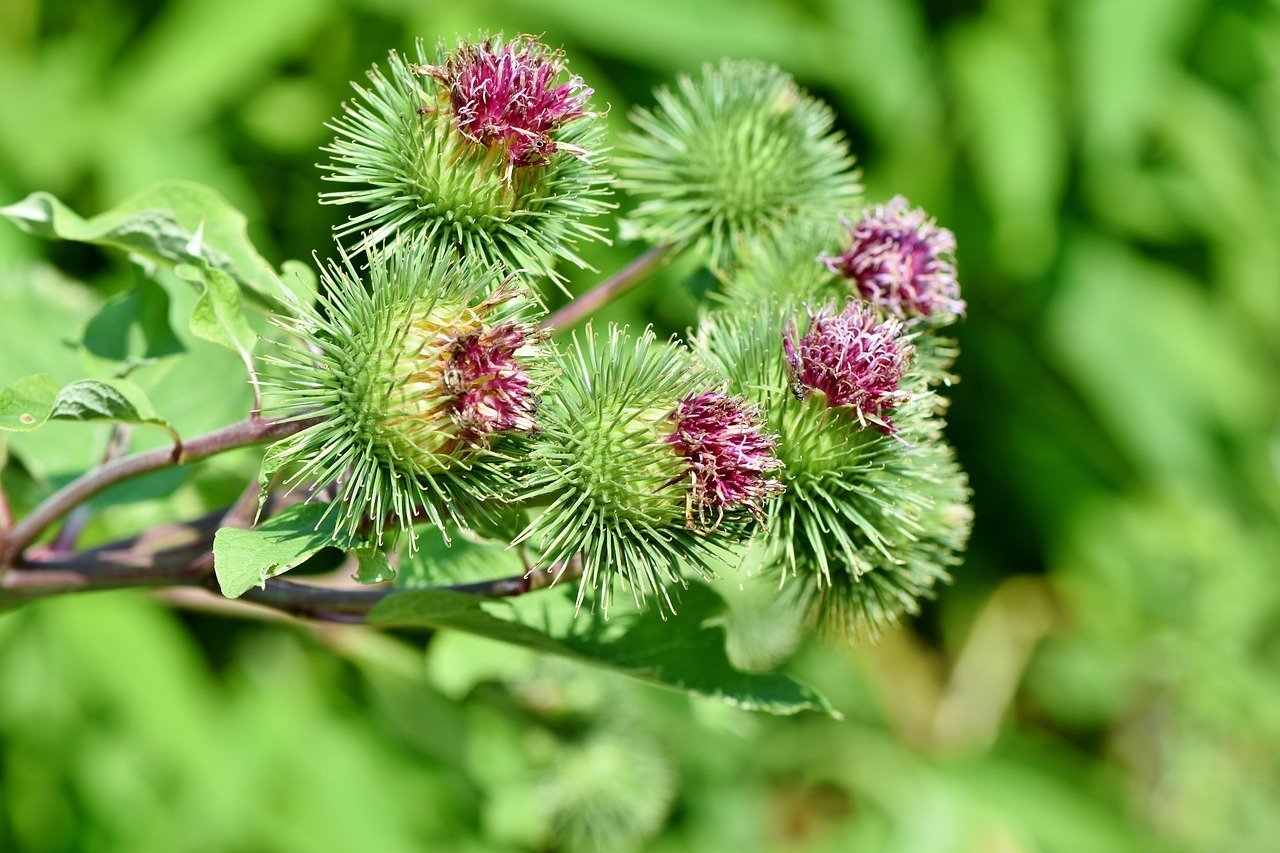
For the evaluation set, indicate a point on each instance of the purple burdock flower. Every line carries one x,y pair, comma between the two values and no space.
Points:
729,454
510,95
902,261
855,358
489,385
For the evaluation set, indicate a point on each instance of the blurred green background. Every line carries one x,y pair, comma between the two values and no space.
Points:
1104,674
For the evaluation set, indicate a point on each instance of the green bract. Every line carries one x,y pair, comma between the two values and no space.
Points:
619,493
784,265
376,364
869,522
739,153
399,155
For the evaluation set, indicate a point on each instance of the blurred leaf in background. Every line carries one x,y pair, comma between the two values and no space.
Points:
1103,675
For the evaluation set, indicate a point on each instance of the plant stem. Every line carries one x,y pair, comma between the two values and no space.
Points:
610,289
243,434
127,565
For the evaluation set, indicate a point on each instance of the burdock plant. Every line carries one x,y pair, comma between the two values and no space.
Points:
418,392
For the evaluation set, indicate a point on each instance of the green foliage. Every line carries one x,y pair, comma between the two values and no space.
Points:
171,223
243,559
685,654
34,400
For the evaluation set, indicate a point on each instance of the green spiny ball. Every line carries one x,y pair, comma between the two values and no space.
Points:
620,494
428,151
733,155
420,373
871,520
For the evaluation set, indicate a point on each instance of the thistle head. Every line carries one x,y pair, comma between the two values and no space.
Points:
513,96
739,153
416,374
489,147
636,452
729,453
869,522
856,359
901,260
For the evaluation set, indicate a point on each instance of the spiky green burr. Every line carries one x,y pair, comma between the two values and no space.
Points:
423,371
421,155
741,152
610,460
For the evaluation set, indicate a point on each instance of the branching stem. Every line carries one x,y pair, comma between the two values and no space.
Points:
243,434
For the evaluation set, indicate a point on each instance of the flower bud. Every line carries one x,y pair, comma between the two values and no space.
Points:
510,95
740,153
636,454
415,375
900,260
856,359
490,148
729,454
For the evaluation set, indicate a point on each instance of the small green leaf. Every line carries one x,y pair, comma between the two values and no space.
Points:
243,559
32,401
373,566
684,653
170,223
25,405
218,316
119,401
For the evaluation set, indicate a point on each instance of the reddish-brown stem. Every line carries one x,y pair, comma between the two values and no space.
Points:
610,289
243,434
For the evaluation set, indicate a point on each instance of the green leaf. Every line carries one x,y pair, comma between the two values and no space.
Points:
32,401
684,653
119,401
372,566
132,329
218,316
243,559
170,223
26,404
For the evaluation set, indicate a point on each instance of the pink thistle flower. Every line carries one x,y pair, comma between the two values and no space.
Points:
509,95
855,358
902,261
729,454
490,387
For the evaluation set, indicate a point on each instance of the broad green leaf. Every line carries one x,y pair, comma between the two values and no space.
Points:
218,316
372,566
170,223
39,309
685,653
243,559
26,404
132,329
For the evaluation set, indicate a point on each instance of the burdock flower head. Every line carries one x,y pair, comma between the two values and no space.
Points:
740,153
490,147
416,377
900,259
871,519
729,453
649,471
511,95
855,358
